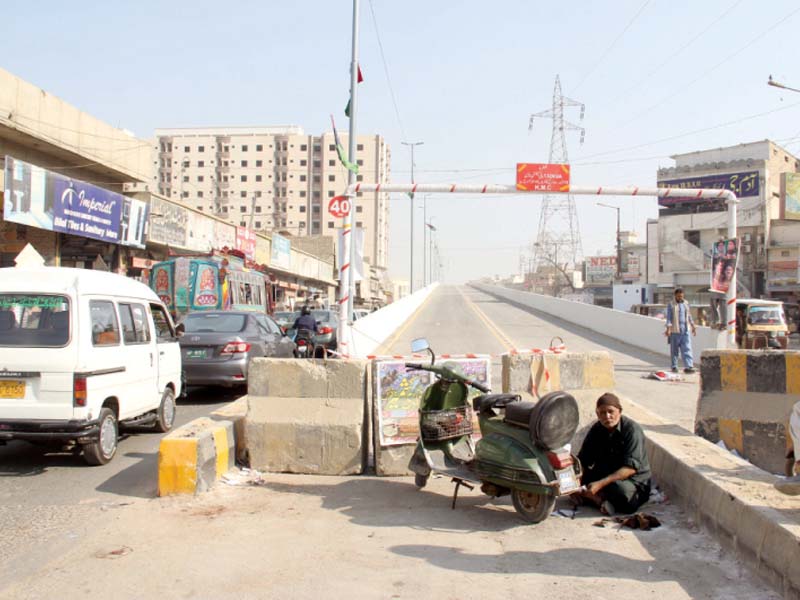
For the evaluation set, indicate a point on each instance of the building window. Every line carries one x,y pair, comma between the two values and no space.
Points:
258,209
244,163
315,208
317,179
303,147
315,227
330,193
242,209
201,148
243,194
331,177
186,178
243,177
185,195
360,147
316,196
200,178
317,148
242,224
258,194
360,162
244,148
359,178
359,224
317,164
302,177
331,163
258,224
199,208
359,209
201,163
259,148
302,193
186,149
200,194
258,177
301,224
259,163
330,224
302,209
227,148
332,148
303,163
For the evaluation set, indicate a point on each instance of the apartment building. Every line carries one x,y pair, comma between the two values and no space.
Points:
278,179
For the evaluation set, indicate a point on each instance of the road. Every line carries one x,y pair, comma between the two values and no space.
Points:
295,536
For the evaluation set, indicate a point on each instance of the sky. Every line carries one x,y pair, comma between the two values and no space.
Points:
657,78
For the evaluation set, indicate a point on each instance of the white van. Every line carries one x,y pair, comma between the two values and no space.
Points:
82,352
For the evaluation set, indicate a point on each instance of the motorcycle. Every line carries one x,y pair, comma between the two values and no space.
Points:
523,450
304,340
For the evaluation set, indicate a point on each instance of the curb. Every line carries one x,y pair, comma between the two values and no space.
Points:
192,457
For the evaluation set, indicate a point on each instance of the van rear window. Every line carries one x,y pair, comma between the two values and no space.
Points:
214,323
34,320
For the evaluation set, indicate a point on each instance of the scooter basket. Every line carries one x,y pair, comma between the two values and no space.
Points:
437,425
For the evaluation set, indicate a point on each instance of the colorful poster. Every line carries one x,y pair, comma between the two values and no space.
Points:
542,177
246,242
744,185
168,223
281,255
205,288
723,264
40,198
601,269
398,394
790,208
161,283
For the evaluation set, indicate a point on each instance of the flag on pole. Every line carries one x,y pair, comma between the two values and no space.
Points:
352,167
359,79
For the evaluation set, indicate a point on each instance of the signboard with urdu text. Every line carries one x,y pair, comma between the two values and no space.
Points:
537,177
744,185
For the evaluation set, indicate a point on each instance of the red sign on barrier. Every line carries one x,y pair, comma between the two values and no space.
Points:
536,177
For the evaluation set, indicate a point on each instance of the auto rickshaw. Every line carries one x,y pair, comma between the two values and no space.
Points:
761,324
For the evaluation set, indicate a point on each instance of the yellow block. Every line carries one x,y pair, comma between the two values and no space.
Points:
733,372
730,432
598,371
177,466
792,373
221,444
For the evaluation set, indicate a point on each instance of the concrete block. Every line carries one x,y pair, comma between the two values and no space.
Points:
322,436
516,375
733,371
393,460
598,371
290,378
570,371
192,457
235,412
766,372
710,372
764,445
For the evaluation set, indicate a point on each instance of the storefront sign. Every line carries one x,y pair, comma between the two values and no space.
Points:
40,198
744,185
246,242
600,269
167,223
790,193
542,177
281,255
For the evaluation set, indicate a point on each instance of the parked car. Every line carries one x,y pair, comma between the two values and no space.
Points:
358,313
286,319
82,353
217,346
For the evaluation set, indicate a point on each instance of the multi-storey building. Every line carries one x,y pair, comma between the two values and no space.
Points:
278,179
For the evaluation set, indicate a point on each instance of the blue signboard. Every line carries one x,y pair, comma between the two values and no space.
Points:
281,255
744,185
47,200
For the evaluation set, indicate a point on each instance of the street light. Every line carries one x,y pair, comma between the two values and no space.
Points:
430,252
776,84
619,240
411,195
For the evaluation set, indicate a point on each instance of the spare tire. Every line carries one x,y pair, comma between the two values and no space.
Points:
554,420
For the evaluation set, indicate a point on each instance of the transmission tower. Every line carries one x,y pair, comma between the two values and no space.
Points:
558,241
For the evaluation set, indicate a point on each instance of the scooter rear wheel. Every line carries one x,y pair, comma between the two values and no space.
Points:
420,480
534,508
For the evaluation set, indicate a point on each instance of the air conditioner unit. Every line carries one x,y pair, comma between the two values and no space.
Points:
746,248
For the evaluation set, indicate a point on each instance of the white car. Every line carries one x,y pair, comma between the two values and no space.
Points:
81,352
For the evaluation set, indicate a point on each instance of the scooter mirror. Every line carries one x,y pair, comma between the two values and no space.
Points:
419,344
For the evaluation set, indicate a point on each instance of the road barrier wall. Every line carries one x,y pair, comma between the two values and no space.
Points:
192,457
636,330
746,399
307,416
371,331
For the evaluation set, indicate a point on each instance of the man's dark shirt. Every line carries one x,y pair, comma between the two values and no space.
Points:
306,322
605,452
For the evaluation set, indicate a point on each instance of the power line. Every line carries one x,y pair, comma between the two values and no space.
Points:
611,46
386,70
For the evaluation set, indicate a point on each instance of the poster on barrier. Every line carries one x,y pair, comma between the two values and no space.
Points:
398,393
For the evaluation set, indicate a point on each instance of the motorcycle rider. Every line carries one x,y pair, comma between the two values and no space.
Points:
306,322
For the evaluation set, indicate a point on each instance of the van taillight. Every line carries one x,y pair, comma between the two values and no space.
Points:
560,459
79,391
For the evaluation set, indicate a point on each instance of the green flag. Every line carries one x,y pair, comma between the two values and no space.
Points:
353,168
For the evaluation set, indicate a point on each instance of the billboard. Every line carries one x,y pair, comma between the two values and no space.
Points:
745,185
542,177
40,198
790,196
723,264
281,254
601,269
246,242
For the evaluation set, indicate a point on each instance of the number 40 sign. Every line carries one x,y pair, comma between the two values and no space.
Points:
339,206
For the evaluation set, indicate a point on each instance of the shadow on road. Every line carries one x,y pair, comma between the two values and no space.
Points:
139,480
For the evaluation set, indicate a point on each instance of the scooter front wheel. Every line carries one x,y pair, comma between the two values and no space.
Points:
420,480
534,508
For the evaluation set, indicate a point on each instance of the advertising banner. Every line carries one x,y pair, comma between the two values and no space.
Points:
723,264
281,255
40,198
542,177
744,185
601,269
167,223
205,290
246,242
790,192
398,393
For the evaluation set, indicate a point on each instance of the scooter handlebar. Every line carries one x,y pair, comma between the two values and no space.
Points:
479,386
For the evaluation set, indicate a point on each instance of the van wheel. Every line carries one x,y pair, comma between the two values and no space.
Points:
102,450
166,412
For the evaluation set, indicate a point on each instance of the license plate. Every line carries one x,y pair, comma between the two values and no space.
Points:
11,388
566,481
196,353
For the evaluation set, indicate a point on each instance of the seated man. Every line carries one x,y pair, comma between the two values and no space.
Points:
791,485
616,471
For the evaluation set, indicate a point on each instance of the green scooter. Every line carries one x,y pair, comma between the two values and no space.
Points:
523,450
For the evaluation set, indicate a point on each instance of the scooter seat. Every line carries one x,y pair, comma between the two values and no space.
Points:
488,401
519,414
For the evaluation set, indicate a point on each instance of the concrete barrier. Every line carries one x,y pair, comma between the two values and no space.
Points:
307,416
369,332
235,412
746,398
192,457
636,330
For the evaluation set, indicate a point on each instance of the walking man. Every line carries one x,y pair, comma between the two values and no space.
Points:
679,325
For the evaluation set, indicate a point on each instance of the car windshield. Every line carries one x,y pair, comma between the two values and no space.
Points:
34,320
323,315
765,315
214,323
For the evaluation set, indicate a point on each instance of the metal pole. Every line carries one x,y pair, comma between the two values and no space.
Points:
411,195
424,240
730,297
346,279
619,250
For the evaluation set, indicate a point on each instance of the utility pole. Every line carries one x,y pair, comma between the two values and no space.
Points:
430,241
425,269
619,241
411,195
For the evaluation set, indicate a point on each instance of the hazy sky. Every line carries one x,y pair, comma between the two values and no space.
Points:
658,77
